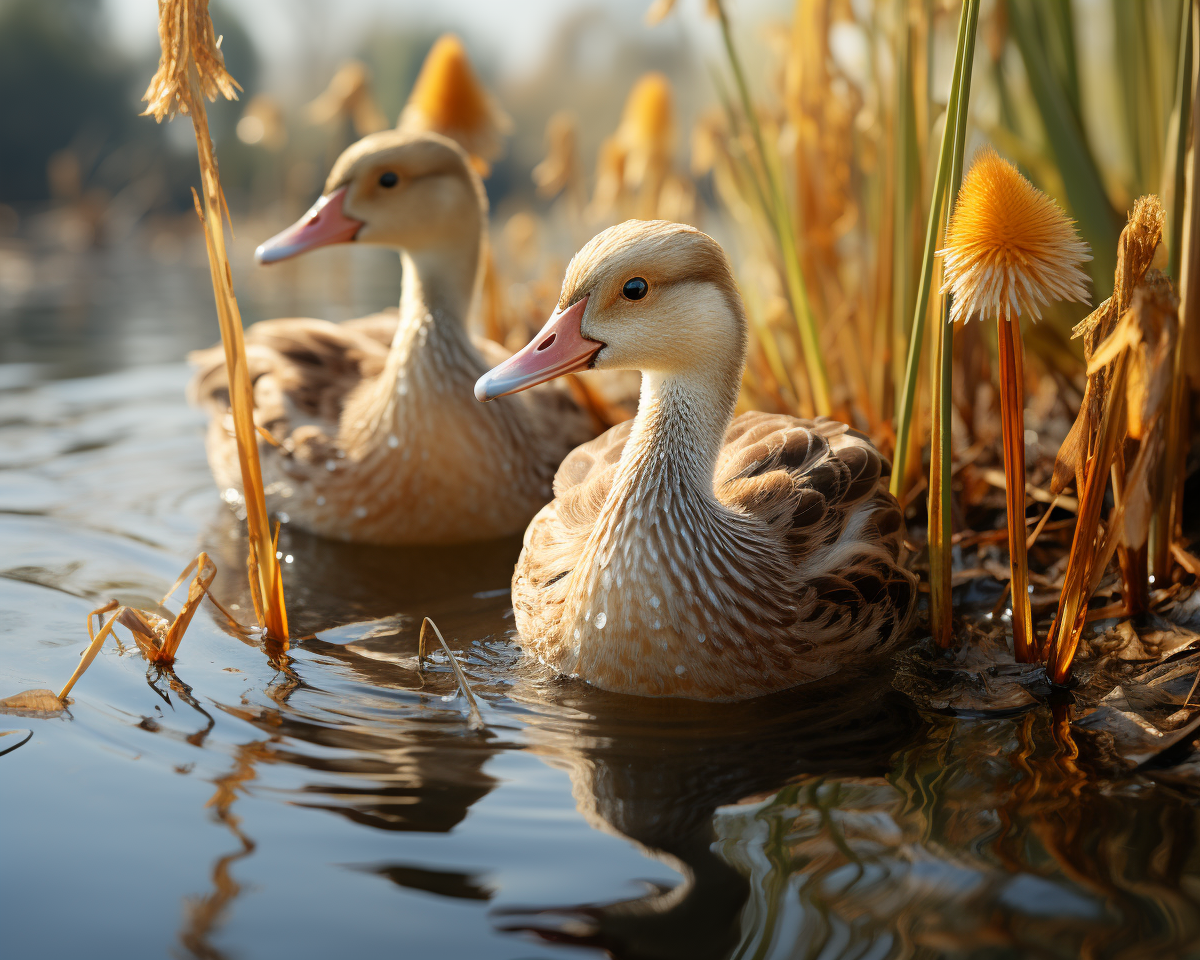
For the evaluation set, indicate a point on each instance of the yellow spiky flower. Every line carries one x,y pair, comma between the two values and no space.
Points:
449,99
1009,248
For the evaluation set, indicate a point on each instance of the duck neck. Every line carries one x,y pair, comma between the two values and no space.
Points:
431,352
435,297
438,283
676,437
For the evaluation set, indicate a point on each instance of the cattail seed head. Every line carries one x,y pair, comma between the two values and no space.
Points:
449,99
1009,248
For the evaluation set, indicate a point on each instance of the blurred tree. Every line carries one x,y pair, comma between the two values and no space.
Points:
64,86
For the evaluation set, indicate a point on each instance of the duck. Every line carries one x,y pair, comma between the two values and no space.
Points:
688,553
370,432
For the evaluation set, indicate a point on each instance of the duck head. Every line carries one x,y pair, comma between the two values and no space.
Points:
653,296
412,192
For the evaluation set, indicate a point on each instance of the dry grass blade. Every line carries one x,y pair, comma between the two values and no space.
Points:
1128,342
93,648
192,68
476,721
157,637
1072,604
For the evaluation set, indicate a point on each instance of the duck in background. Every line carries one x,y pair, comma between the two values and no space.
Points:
373,435
687,553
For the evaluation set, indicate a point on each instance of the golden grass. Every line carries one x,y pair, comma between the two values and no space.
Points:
192,68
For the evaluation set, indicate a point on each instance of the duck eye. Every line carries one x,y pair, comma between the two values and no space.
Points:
635,289
388,179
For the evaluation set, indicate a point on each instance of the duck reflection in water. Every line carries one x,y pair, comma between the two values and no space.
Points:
830,821
892,837
658,772
328,583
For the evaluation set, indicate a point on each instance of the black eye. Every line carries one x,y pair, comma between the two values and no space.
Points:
635,289
388,179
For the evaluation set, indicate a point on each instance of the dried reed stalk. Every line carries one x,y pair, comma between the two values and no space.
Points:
780,218
1012,433
1126,396
191,69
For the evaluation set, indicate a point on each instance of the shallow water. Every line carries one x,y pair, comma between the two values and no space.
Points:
334,798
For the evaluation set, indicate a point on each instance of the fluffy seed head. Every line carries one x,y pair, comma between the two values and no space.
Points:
1009,247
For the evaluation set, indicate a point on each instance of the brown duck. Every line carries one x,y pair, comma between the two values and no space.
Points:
688,553
378,437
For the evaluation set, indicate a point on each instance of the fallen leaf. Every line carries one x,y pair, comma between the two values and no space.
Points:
33,703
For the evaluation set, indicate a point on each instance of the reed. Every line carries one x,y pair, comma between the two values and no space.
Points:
1092,447
766,169
907,390
940,611
1184,269
158,637
1010,249
348,96
476,718
191,69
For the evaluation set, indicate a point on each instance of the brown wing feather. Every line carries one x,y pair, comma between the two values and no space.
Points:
826,485
301,369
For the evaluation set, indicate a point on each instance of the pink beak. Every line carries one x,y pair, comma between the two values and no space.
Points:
325,223
559,348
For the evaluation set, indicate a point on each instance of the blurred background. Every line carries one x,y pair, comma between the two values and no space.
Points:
101,259
613,110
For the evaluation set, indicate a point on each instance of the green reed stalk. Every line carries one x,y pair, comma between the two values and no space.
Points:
1180,121
908,392
907,187
940,612
784,231
1185,266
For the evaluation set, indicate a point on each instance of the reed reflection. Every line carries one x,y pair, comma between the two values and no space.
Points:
993,838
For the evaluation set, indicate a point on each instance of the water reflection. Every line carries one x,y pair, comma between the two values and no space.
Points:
988,839
203,916
330,583
656,772
825,823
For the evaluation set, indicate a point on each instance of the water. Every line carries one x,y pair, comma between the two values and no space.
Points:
337,799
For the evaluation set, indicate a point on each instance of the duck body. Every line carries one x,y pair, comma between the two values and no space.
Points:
687,553
377,437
